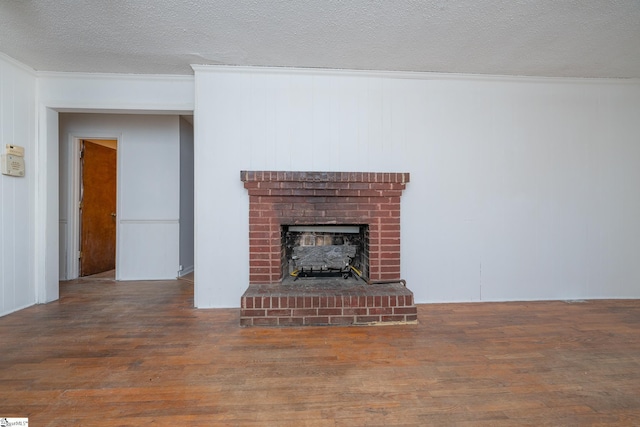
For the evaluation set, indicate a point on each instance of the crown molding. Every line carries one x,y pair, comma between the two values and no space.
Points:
412,75
18,64
114,76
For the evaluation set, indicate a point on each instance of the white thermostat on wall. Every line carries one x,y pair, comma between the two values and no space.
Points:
12,163
16,150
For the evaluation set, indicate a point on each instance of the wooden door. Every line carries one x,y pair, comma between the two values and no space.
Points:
98,209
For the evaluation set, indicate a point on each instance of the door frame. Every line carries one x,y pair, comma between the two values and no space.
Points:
83,93
73,226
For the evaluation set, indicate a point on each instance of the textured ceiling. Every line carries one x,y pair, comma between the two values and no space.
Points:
563,38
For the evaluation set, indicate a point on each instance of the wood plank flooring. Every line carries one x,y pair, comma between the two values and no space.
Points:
137,353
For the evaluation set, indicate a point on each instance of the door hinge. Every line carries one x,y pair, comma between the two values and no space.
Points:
79,254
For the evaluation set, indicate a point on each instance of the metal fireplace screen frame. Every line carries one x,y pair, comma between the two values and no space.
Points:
325,250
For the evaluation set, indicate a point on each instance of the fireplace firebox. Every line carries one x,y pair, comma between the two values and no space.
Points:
325,251
323,226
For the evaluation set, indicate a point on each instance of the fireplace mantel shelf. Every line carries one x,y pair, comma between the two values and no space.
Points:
281,176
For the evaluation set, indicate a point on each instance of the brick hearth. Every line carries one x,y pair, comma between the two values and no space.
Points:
333,303
280,199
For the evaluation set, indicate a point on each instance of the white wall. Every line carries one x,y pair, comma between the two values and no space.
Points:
521,189
148,189
125,93
186,197
17,126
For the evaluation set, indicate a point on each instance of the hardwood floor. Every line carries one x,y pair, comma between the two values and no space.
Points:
137,353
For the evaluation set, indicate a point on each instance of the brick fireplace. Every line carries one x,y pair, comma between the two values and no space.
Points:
368,202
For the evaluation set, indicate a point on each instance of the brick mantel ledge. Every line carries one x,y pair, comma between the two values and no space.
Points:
366,177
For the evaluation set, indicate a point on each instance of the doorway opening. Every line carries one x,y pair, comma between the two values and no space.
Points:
97,207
